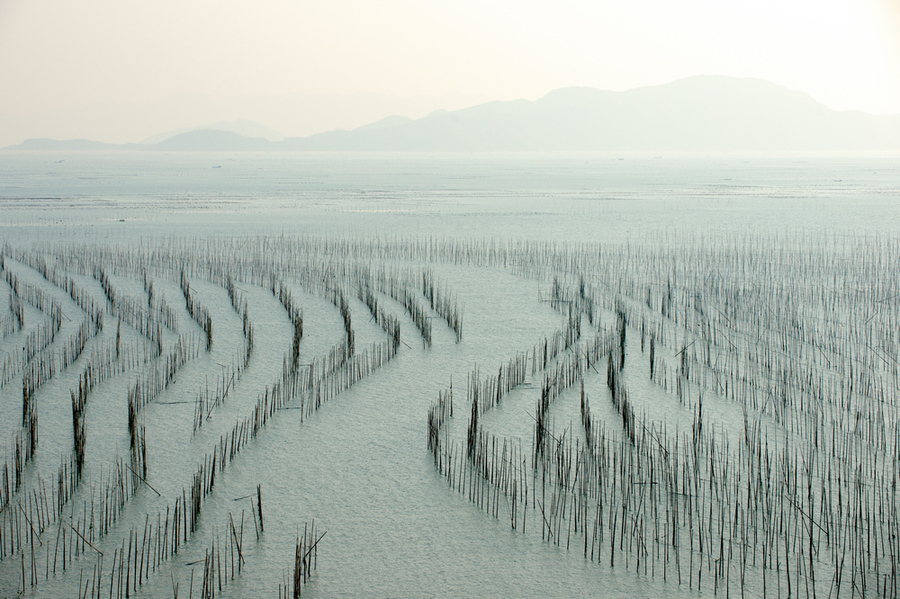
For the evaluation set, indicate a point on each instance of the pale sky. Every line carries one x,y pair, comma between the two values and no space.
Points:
56,54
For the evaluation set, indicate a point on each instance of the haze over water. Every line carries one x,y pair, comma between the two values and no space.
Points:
696,354
558,197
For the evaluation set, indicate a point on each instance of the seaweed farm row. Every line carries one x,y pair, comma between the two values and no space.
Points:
146,330
188,416
792,492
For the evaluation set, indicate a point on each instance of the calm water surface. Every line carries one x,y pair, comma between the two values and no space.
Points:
359,467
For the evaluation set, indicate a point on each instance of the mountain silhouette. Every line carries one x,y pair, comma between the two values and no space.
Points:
702,113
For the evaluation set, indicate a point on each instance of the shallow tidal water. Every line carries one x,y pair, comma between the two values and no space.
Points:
359,466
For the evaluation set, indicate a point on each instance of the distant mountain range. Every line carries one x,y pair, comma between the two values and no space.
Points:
244,128
703,113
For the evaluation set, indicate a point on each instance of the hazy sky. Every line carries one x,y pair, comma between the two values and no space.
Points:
58,53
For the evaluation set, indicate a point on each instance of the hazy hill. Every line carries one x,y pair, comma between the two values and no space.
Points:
699,113
67,145
212,140
704,113
242,127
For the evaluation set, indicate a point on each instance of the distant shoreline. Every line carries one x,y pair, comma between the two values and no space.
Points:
698,114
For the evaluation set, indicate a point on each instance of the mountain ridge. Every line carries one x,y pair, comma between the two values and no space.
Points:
701,113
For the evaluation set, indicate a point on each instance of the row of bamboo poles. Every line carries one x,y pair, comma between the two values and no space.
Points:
312,385
803,503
